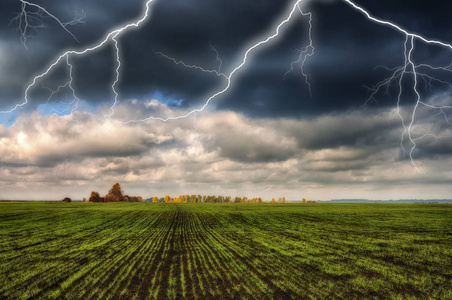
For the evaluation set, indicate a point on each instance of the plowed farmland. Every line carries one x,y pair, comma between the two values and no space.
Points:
225,251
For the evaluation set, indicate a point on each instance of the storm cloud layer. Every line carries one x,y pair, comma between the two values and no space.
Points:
268,134
227,152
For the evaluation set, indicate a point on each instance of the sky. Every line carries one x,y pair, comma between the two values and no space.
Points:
298,99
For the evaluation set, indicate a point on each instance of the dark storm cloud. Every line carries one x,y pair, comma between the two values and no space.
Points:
19,64
348,47
433,148
424,17
354,130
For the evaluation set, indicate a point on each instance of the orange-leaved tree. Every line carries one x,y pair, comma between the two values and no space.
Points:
167,199
115,194
94,197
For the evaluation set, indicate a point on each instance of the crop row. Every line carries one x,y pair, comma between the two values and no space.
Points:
224,251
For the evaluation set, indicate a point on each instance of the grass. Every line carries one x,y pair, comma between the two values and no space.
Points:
248,251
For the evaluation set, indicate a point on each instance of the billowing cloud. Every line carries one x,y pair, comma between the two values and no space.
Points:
244,140
220,153
51,140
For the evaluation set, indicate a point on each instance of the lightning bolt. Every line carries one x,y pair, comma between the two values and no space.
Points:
69,85
305,52
216,72
53,92
230,77
409,67
71,79
212,47
115,82
398,28
111,36
178,62
24,19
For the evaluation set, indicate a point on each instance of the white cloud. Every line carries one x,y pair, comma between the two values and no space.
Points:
226,153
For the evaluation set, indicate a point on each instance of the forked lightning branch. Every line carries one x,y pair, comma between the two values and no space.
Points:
28,24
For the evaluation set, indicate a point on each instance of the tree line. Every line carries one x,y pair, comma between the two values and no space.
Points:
115,194
216,199
205,199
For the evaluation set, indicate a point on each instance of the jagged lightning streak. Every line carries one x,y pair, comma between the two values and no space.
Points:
397,72
390,24
54,92
408,55
304,54
399,97
25,17
71,79
179,62
217,72
231,75
110,36
115,82
418,99
212,47
69,85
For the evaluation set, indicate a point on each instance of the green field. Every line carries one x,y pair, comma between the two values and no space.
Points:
224,251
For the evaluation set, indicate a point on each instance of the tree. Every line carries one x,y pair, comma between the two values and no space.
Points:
273,200
67,200
94,197
167,199
303,200
115,194
155,199
111,198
